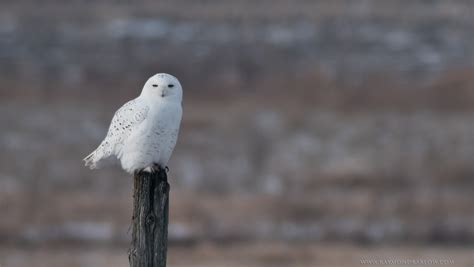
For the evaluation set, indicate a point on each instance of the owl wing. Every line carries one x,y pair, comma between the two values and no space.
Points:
125,120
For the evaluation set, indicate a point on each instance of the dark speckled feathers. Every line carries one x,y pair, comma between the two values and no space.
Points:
124,121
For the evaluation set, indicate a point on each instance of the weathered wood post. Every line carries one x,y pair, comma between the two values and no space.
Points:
150,220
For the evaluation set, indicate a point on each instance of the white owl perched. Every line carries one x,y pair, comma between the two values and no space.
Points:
144,131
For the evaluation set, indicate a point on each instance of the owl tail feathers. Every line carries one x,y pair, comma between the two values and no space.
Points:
92,160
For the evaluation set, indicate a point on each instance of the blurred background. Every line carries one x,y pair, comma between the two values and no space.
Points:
315,133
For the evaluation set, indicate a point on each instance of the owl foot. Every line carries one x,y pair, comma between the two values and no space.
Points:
150,169
153,169
156,167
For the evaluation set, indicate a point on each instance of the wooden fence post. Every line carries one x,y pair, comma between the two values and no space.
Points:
150,220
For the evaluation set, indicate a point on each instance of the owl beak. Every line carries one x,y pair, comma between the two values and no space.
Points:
164,92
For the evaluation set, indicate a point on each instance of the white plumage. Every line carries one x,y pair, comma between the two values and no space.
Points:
144,131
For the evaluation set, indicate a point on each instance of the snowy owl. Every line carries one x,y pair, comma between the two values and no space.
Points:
144,131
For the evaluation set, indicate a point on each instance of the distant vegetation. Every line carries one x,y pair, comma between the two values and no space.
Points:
344,53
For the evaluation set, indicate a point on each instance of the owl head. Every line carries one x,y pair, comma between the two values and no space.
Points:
164,87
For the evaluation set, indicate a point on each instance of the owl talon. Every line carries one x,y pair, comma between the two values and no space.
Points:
149,169
158,168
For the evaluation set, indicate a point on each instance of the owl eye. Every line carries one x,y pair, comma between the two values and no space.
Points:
155,85
170,85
